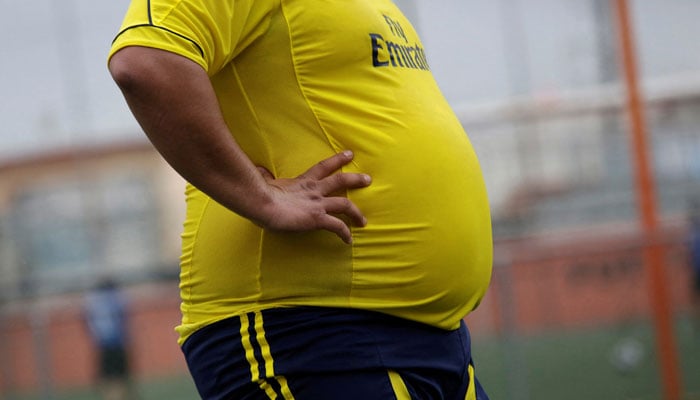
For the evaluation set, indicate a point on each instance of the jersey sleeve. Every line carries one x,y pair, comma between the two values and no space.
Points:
210,32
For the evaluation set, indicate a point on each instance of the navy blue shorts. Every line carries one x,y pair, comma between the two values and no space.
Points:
310,353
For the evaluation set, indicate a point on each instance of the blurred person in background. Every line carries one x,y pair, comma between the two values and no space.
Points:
694,262
277,112
106,318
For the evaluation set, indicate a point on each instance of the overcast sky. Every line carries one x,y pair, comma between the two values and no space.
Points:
55,90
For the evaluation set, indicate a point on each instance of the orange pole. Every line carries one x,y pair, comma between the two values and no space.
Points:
646,198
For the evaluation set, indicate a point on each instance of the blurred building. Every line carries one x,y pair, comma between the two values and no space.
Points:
69,218
562,161
72,216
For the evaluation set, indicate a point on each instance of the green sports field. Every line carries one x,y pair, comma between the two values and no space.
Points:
173,388
616,364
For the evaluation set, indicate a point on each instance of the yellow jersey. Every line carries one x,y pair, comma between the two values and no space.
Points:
298,81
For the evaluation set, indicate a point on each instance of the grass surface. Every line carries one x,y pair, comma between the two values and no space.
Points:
172,388
618,363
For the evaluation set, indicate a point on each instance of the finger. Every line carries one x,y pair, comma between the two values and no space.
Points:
343,206
329,165
335,225
341,181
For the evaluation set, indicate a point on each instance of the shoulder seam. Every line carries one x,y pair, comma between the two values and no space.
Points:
151,24
199,48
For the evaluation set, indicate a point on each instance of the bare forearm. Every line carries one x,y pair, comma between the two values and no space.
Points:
173,101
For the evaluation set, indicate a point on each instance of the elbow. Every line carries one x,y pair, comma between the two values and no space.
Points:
128,71
123,72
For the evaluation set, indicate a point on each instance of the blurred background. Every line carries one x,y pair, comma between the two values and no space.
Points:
586,300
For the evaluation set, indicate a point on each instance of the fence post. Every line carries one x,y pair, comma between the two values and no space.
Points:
646,192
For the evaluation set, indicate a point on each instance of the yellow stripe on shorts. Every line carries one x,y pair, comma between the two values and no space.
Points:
471,390
399,387
264,347
401,392
267,359
249,351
